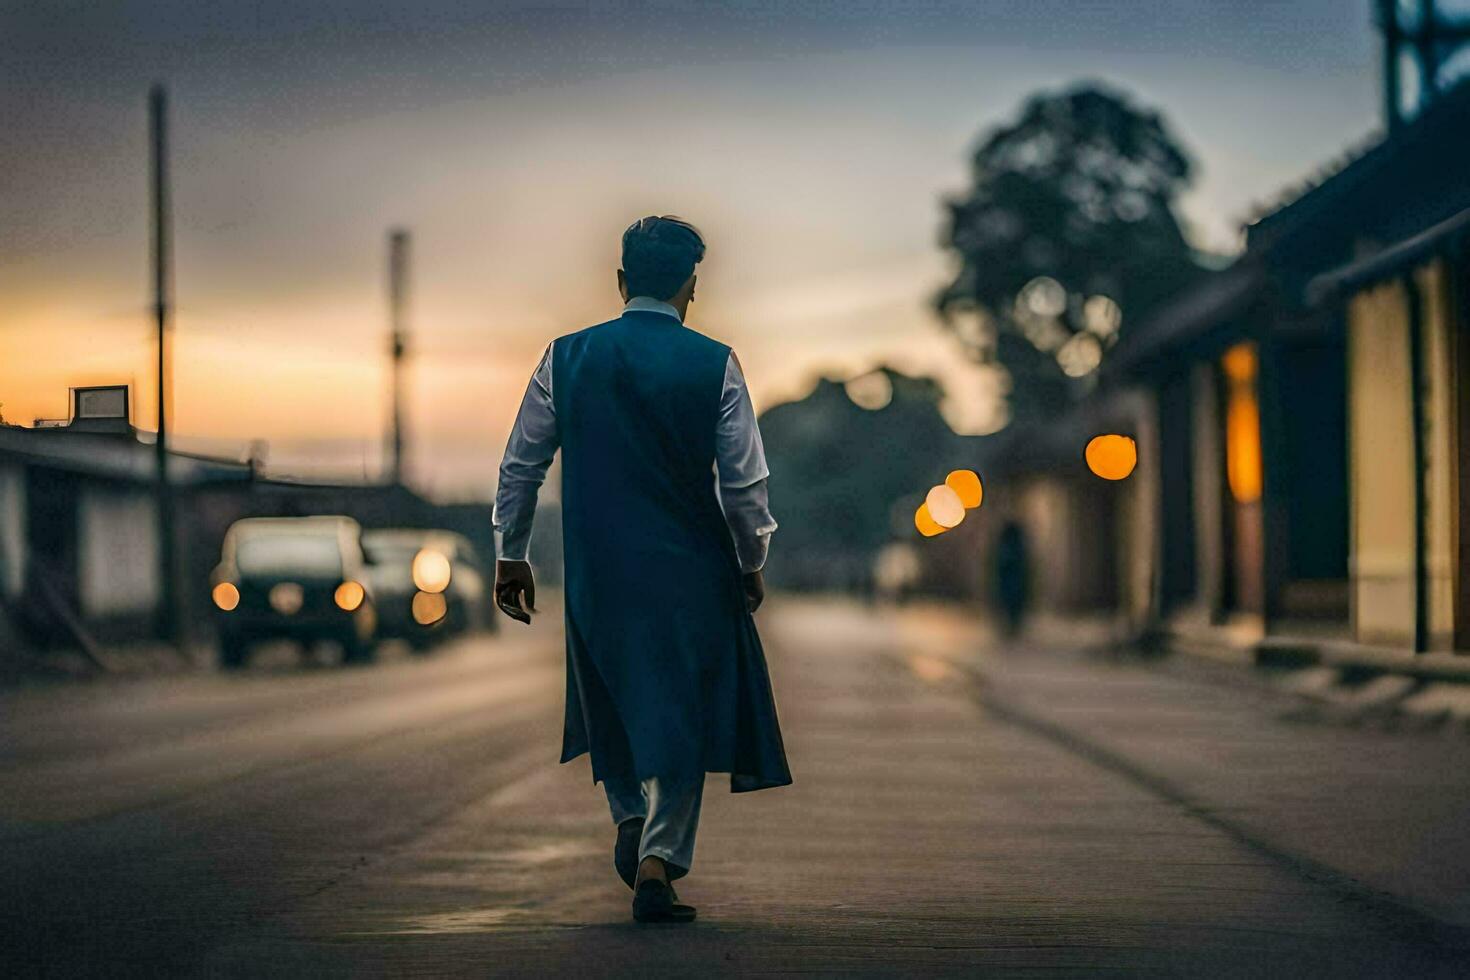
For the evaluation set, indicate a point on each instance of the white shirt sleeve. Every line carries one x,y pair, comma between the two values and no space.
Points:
528,454
740,462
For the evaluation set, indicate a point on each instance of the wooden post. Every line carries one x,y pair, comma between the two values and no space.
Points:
1417,385
1388,23
1459,266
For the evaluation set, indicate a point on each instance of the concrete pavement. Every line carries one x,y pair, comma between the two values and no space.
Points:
1333,788
410,819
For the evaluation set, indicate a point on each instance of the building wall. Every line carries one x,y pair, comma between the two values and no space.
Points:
1381,465
1440,449
1042,514
1139,540
1382,460
12,531
118,552
1209,491
1070,525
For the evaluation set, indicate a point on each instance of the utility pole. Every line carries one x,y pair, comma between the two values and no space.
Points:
398,341
168,605
1388,25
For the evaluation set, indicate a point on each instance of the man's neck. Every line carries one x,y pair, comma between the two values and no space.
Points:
647,304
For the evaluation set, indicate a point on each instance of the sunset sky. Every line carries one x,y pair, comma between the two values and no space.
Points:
811,141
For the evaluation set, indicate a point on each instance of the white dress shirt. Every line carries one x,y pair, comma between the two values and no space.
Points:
740,461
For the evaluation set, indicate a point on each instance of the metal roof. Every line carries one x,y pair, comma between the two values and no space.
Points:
1216,300
1389,261
111,457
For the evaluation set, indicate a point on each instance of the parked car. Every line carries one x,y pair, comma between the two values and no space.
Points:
300,578
429,584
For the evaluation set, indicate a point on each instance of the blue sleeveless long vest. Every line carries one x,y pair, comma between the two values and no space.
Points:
665,671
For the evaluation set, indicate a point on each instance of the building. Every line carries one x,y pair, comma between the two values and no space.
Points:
1302,416
1305,414
79,538
80,560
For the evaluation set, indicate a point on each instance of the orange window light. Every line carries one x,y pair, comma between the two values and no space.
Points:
1242,424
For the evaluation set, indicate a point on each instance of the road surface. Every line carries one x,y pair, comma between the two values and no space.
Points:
410,819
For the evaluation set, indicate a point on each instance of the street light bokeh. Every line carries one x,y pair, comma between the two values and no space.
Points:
926,524
945,506
966,484
1111,456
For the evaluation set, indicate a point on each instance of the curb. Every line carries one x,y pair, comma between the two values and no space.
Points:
1350,683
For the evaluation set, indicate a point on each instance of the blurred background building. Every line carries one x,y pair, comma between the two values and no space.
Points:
80,537
1302,414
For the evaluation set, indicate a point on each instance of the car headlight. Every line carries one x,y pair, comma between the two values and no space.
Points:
429,608
349,595
225,596
431,571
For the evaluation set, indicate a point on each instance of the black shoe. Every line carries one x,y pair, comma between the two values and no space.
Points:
625,851
655,901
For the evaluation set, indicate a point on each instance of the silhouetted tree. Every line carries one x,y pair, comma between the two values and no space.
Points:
846,479
1067,233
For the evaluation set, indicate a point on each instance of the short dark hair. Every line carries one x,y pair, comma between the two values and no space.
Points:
659,254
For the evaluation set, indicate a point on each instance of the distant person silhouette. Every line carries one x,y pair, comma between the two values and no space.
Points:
1012,576
666,525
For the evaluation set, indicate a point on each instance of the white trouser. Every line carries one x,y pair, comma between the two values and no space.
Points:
670,810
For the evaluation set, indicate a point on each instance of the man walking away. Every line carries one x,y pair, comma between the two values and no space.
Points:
666,524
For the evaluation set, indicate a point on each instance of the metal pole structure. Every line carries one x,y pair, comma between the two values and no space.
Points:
1426,52
1388,23
397,301
168,608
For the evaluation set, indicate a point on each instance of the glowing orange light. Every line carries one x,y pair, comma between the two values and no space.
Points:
926,524
349,596
1242,424
945,506
226,596
1111,457
428,608
967,484
1239,362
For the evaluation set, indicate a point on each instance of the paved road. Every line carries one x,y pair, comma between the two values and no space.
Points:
409,819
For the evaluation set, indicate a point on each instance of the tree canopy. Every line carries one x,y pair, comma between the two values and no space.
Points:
1066,234
850,463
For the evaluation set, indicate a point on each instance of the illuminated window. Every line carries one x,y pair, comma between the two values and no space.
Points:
1242,423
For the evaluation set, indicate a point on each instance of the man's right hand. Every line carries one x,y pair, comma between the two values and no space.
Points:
515,589
755,590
